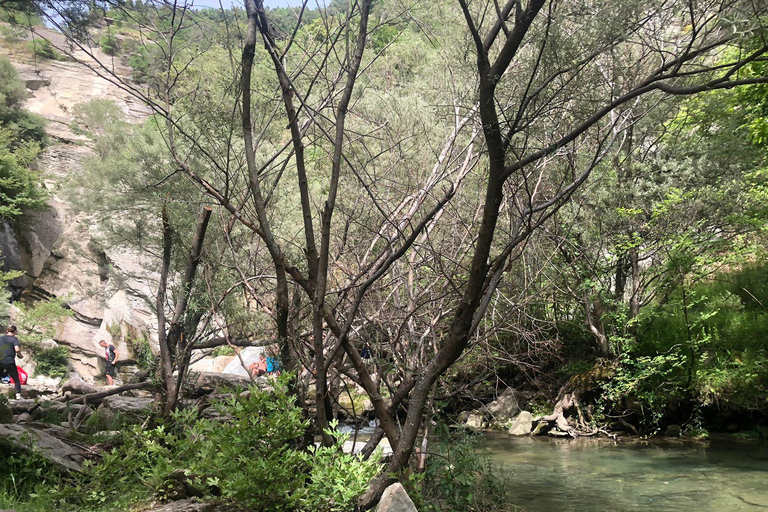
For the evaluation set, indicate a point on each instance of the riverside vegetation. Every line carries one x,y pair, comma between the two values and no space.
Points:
422,203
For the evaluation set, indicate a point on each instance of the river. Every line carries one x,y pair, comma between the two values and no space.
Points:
590,475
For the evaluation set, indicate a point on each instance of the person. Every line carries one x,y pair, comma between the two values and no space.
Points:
273,364
111,355
10,349
259,368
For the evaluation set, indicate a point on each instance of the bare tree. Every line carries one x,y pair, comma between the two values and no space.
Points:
550,83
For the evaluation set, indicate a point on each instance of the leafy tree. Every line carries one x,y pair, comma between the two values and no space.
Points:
109,44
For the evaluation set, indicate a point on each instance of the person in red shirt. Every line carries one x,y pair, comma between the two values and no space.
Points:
9,350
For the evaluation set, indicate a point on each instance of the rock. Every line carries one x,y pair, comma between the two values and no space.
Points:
522,425
127,406
475,420
202,383
78,386
54,450
673,431
20,406
192,505
395,499
140,376
45,385
505,407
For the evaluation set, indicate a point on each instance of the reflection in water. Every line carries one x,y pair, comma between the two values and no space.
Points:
589,475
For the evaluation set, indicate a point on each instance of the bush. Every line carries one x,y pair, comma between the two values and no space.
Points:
457,478
43,49
251,459
53,362
109,44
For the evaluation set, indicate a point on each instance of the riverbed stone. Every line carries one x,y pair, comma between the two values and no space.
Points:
505,407
522,425
475,420
395,499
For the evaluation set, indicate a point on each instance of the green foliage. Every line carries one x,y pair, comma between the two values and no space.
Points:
22,474
224,350
40,319
38,323
53,362
20,136
249,459
20,188
109,44
704,346
140,349
42,48
139,62
456,477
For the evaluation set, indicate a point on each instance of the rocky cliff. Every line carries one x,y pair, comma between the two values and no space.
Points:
108,290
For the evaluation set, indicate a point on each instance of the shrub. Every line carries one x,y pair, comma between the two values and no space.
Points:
457,478
53,362
251,459
43,49
109,44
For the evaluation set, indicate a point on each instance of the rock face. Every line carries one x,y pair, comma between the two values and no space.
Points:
105,288
395,499
48,446
522,425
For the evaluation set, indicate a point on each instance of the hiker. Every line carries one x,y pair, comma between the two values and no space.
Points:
259,368
111,355
9,350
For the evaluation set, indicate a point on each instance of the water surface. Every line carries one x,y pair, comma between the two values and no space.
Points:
584,475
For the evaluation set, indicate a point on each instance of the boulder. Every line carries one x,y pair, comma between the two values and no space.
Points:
20,406
127,406
395,499
202,383
505,407
51,448
475,420
78,386
522,425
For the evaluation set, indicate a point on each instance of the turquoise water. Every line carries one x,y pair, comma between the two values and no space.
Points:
584,475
